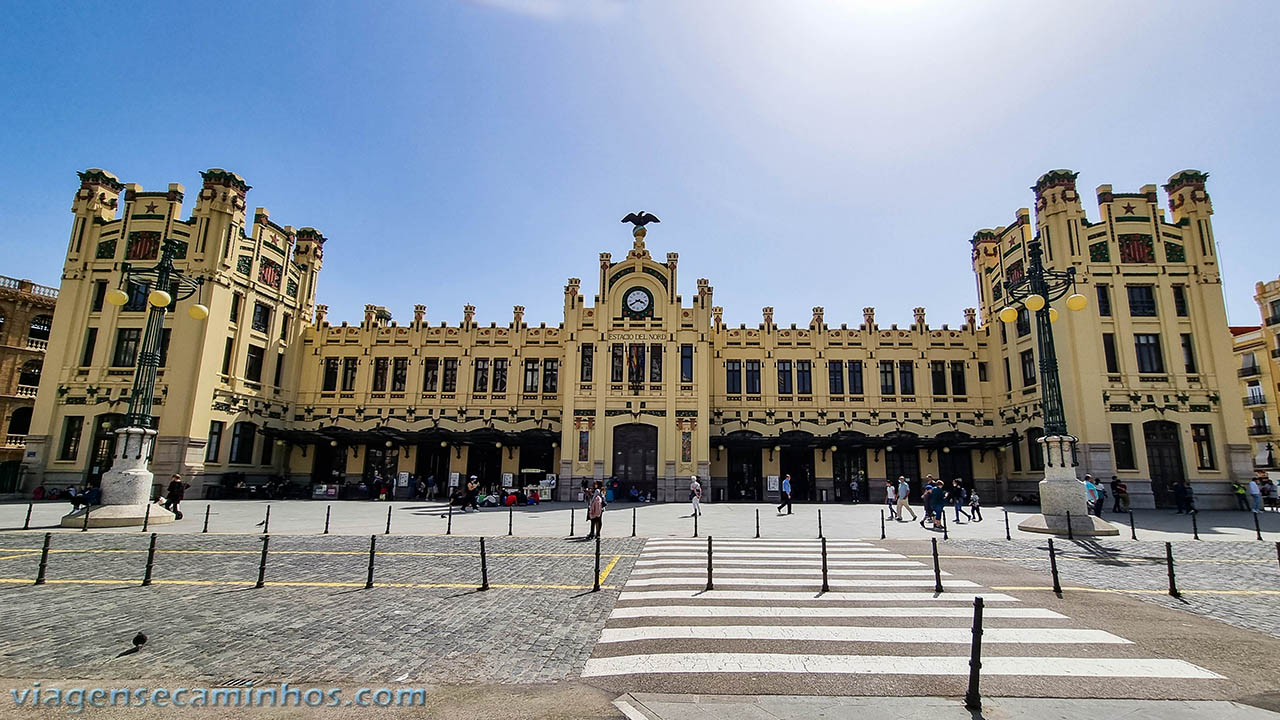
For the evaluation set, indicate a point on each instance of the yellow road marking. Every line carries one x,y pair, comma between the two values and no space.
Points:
299,552
302,583
1097,559
608,568
22,555
1140,590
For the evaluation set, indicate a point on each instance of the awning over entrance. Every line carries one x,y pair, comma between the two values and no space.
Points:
847,439
381,435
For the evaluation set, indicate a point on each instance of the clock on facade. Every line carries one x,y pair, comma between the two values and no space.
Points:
637,302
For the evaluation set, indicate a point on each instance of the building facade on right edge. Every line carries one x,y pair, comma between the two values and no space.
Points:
1147,369
1257,350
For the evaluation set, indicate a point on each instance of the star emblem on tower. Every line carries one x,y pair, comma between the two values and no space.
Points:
151,208
1128,208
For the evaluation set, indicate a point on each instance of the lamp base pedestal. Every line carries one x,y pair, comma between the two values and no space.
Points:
1063,496
101,516
126,487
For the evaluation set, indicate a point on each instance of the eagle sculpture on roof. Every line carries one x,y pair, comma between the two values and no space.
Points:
640,219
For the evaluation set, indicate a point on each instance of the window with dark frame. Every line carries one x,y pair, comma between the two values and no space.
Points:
588,363
330,375
1142,300
655,363
784,377
253,364
99,295
165,336
126,352
268,451
551,375
686,363
804,377
235,308
1109,352
1035,451
1147,347
1016,451
835,377
982,371
279,369
480,383
1024,322
90,343
1028,368
212,450
887,383
380,366
399,374
284,326
1122,446
449,377
500,375
855,377
1188,354
430,374
753,377
227,352
137,297
1180,300
261,317
350,366
72,426
957,378
616,362
1104,300
733,377
1008,378
906,377
938,377
242,438
531,375
1202,438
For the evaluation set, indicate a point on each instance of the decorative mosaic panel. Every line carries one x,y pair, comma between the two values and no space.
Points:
1173,252
244,264
1100,252
584,446
686,447
1136,248
291,288
143,245
1014,272
270,272
106,249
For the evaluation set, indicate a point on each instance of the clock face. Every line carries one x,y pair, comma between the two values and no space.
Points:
637,301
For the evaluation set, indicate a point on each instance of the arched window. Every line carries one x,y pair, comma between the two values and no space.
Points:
40,326
30,374
242,436
20,421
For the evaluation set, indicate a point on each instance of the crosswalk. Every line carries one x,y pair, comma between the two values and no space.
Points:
765,627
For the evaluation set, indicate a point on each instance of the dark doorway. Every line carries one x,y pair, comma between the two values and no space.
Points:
433,462
847,465
104,445
798,463
905,463
635,457
485,462
745,482
330,464
956,464
1164,460
536,461
20,421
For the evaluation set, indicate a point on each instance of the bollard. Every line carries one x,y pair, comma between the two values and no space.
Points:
937,571
633,522
327,511
881,523
710,586
151,560
266,522
484,568
262,564
44,558
1256,527
146,518
572,515
1007,536
388,531
1278,551
1168,558
206,519
373,549
943,515
825,586
695,524
84,526
448,530
1195,526
819,523
26,524
596,588
511,520
1070,535
1053,568
972,698
757,523
1133,529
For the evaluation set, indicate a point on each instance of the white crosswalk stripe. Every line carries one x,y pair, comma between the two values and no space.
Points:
767,616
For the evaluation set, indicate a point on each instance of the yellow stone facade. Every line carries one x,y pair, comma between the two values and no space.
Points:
638,383
1257,350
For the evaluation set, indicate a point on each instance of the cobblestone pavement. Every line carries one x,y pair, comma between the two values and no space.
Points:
1237,583
206,621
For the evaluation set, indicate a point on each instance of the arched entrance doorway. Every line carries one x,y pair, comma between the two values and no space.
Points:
1164,459
635,457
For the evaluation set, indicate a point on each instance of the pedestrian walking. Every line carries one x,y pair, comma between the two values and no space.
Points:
473,492
1180,496
853,491
786,495
1122,494
695,493
173,495
1255,493
938,503
891,498
957,497
595,513
975,506
1115,494
904,498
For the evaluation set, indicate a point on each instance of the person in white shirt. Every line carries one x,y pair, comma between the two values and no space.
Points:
891,498
904,498
695,493
1255,492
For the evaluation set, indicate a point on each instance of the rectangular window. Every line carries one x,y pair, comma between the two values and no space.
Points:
72,426
784,377
1180,300
268,451
855,377
399,374
284,326
349,367
1016,450
1008,379
616,363
261,317
835,377
235,307
1004,333
1035,450
165,334
1150,359
906,377
588,363
1142,300
982,372
214,447
279,369
1024,322
242,435
1122,446
126,353
957,378
635,363
1109,352
1202,436
655,363
480,383
227,350
90,342
330,375
380,366
430,374
686,363
733,377
753,377
1028,368
886,377
1188,353
531,375
500,375
804,377
551,375
253,364
938,376
137,297
99,295
449,378
1104,300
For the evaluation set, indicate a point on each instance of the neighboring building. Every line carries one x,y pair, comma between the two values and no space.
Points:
637,384
1257,350
26,318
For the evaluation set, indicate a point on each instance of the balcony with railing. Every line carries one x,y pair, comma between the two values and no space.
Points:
27,391
1260,429
8,283
37,344
15,441
1250,370
1255,400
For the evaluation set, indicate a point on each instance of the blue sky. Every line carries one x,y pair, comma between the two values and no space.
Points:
799,153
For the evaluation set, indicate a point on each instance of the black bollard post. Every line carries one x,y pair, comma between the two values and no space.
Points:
484,568
1278,551
633,522
825,587
206,519
972,698
695,524
388,531
373,550
881,524
266,522
1256,527
1168,558
1195,526
84,526
151,560
1007,536
596,588
1133,529
1070,534
146,517
757,523
1053,568
819,523
511,520
26,524
943,515
262,563
937,570
572,515
44,558
710,585
328,510
448,529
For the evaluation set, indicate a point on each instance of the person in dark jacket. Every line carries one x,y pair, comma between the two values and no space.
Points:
174,494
